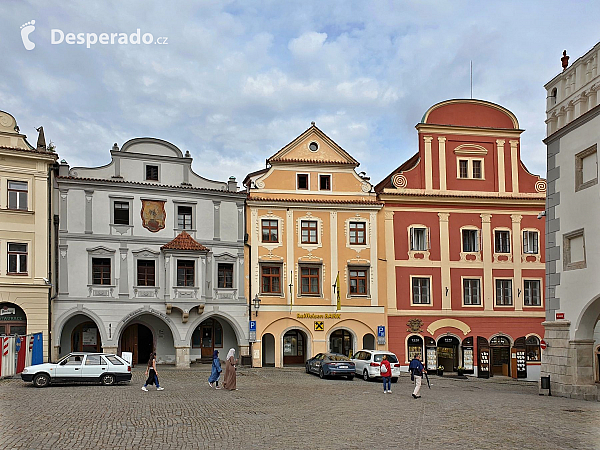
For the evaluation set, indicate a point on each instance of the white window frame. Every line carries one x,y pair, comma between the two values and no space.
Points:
505,230
412,303
17,255
330,182
411,237
146,180
512,293
113,200
308,181
477,240
367,269
469,160
541,287
462,287
531,231
18,208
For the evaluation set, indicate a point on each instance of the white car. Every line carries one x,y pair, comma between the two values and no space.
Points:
80,367
368,364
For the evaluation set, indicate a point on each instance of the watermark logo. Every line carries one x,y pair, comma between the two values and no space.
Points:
26,30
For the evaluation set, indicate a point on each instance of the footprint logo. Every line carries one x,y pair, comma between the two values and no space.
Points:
26,30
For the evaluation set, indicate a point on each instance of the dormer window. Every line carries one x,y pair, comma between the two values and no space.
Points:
151,172
470,168
302,181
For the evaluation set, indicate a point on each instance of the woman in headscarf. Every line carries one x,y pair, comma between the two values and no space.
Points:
216,371
229,382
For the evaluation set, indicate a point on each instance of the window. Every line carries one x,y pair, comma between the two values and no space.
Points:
325,182
504,292
94,360
114,360
225,275
145,273
502,241
420,291
574,250
470,240
476,168
17,258
185,272
309,281
101,271
530,242
358,281
463,168
151,173
472,291
302,181
586,168
308,229
271,279
270,230
531,293
184,217
418,239
313,146
532,348
17,195
358,233
121,213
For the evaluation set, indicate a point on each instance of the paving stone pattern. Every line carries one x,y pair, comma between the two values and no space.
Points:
286,408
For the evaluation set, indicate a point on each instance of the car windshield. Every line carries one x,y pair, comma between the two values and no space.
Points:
391,358
338,358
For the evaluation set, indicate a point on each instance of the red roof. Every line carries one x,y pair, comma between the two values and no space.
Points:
184,241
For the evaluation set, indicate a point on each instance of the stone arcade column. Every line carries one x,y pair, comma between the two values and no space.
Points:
182,357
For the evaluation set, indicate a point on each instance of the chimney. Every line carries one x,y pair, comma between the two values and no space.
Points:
232,184
41,142
63,168
564,60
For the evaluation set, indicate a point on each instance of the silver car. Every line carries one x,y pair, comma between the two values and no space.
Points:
368,363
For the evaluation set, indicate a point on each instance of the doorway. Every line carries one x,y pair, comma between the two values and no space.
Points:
500,356
447,353
209,337
268,350
294,348
368,342
12,320
86,338
139,340
341,342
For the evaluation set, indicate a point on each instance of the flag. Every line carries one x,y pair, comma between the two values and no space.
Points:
337,290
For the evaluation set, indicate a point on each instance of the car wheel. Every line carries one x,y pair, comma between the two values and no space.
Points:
366,375
107,379
41,380
350,377
321,373
394,379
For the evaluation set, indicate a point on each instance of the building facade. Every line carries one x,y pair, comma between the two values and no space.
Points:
312,258
150,258
572,359
25,230
465,264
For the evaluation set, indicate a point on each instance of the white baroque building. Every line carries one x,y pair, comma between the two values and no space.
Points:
572,359
150,258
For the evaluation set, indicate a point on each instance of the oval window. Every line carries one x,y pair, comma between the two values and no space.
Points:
313,146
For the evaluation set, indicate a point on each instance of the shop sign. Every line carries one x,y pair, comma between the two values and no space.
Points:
7,318
90,336
318,316
319,325
7,310
560,316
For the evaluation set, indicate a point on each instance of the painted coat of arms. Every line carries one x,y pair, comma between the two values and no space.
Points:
153,215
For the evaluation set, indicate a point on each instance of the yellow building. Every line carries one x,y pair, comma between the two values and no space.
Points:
311,254
24,232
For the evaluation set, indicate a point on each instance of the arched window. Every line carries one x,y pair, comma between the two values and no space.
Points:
532,347
12,320
499,341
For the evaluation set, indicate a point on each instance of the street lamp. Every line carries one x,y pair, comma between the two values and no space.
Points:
256,302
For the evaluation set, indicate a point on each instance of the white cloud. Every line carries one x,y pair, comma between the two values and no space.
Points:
308,44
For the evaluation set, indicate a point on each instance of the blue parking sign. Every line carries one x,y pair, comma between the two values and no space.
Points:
381,331
253,325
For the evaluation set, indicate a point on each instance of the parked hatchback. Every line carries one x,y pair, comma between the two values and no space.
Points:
330,364
80,367
368,364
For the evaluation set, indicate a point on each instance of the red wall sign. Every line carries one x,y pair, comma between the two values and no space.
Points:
560,316
543,345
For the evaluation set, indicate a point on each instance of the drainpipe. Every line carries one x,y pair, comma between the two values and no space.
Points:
51,170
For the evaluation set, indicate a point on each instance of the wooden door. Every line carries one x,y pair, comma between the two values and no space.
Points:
513,366
207,340
129,342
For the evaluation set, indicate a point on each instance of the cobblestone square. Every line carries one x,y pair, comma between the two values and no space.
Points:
286,408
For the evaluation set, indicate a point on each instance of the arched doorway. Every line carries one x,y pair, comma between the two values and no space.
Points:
341,341
86,338
208,336
138,339
467,355
598,364
500,356
268,350
414,347
12,320
368,342
294,348
447,353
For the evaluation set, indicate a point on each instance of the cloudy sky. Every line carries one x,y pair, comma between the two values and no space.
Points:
239,80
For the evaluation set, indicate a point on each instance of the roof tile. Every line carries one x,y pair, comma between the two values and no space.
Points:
184,241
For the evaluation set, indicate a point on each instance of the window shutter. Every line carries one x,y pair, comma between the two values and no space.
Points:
428,238
478,243
525,243
535,242
412,238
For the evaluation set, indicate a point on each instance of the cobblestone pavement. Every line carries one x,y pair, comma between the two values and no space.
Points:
286,408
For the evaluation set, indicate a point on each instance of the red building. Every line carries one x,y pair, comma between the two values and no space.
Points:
464,245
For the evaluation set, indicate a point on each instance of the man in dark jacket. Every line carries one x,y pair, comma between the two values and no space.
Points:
416,370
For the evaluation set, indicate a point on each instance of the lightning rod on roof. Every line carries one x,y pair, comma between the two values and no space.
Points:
471,79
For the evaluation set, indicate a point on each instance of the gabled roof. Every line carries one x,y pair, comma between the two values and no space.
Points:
387,181
184,241
313,129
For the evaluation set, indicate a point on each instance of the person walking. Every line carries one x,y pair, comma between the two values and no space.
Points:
386,374
229,382
213,380
152,374
416,373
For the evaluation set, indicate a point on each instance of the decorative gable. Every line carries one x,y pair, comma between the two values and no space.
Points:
184,241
